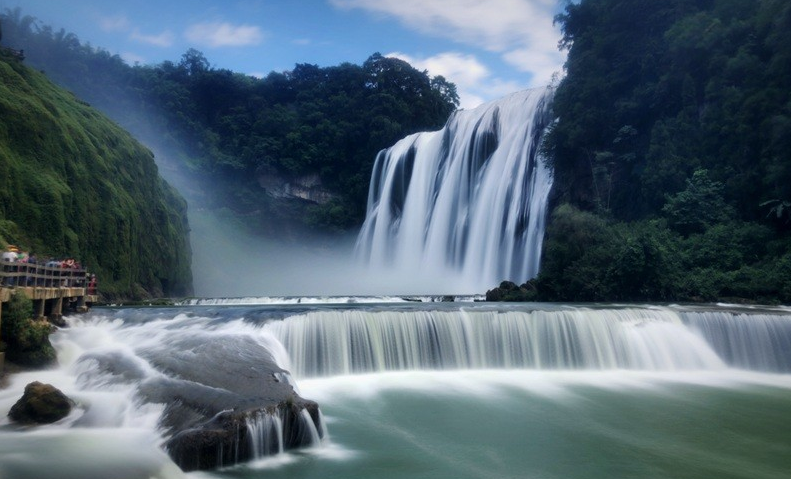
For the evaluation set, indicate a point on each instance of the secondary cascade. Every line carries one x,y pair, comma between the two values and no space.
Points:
467,202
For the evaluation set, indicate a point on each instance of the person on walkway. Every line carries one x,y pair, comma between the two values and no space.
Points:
9,256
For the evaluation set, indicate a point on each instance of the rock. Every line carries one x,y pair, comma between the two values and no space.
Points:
208,409
304,187
41,404
227,438
509,291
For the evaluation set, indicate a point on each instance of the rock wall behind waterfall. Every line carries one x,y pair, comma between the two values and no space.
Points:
465,205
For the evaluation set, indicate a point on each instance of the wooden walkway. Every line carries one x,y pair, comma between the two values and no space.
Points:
52,288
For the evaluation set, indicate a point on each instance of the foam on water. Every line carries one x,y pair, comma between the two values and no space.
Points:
463,355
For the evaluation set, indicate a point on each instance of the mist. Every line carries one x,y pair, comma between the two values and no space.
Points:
227,261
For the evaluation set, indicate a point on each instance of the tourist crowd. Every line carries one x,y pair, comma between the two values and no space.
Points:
15,261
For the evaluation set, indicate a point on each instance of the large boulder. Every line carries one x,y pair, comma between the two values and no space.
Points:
41,404
227,401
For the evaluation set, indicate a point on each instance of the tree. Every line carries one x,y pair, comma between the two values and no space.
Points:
699,206
194,62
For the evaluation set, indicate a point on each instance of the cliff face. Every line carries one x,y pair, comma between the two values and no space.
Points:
74,184
304,187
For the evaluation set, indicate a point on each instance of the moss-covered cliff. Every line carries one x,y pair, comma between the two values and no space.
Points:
74,184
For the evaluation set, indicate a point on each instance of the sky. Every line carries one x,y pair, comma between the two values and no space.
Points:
488,48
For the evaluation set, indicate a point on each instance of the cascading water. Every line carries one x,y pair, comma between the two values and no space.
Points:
464,206
357,341
265,431
754,341
641,389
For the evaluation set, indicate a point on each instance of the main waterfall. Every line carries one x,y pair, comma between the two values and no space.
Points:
466,203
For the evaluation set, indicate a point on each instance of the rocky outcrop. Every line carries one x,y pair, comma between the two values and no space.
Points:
236,436
305,187
509,291
41,404
218,394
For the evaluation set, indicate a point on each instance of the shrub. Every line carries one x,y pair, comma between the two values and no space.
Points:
27,339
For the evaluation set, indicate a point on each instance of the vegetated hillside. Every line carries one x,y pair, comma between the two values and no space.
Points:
237,135
672,152
74,184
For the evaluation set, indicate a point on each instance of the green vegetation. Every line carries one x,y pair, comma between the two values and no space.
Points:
27,340
672,154
74,184
226,130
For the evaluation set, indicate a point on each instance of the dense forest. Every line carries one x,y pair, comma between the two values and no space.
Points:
73,184
227,132
672,153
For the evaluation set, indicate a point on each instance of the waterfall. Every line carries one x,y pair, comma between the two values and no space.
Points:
337,342
466,203
142,376
754,341
265,431
269,431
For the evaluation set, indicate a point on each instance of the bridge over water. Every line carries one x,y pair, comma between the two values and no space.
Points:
53,289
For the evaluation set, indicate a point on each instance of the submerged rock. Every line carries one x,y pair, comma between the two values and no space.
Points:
41,404
227,402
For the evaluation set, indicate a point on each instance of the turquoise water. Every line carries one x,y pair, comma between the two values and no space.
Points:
523,424
439,391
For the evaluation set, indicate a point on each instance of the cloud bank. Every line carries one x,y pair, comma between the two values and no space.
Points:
521,32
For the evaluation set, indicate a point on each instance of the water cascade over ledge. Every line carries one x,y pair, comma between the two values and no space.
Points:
463,207
160,391
353,341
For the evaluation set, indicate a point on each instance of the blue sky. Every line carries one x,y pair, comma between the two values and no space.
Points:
489,48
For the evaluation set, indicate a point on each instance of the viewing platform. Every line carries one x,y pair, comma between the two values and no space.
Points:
52,288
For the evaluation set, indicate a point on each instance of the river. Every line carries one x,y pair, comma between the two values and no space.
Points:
435,390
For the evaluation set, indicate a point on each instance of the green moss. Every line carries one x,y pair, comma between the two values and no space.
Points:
74,184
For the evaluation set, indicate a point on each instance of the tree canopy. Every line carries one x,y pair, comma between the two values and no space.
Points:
229,129
673,132
74,184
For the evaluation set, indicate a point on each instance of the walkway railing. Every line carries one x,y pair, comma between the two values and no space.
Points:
43,276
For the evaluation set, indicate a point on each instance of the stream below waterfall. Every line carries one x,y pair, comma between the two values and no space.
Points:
439,390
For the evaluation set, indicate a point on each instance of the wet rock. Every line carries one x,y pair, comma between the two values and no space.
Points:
216,395
509,291
236,436
41,404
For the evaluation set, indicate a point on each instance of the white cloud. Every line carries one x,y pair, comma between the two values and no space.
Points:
118,23
540,64
164,39
497,24
474,81
519,30
223,34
